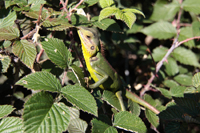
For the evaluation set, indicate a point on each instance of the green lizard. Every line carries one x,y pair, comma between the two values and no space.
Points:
100,70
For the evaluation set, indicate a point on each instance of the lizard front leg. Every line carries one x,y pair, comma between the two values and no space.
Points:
103,77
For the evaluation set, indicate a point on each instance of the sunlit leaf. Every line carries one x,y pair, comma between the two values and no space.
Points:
106,3
128,121
11,125
5,62
41,81
26,51
5,110
80,97
57,52
9,33
41,114
8,20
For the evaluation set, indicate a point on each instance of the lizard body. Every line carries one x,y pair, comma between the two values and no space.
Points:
100,70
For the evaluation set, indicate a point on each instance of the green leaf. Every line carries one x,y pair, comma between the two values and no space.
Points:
185,56
8,20
11,125
74,113
170,83
9,33
106,3
91,2
159,53
134,107
5,110
133,11
134,29
6,44
77,126
171,67
57,52
183,70
196,28
165,92
178,91
151,101
80,97
191,6
111,130
128,17
4,62
196,80
160,30
98,126
183,79
56,24
35,14
107,12
41,81
35,4
79,20
191,90
130,122
26,51
106,24
41,114
15,2
163,11
185,33
77,71
152,117
111,99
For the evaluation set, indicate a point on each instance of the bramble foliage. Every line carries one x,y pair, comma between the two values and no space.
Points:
43,84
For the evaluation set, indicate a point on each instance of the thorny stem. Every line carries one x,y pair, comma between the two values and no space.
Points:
160,63
174,45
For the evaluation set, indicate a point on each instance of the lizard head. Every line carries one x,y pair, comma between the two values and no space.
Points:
89,40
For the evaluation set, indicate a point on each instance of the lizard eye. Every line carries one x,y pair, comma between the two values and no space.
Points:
92,48
88,37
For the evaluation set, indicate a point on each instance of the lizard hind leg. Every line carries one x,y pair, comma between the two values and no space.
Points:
119,96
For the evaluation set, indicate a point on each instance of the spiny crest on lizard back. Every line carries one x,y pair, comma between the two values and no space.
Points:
89,40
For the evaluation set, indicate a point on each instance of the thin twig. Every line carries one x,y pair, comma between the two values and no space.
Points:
29,34
64,5
192,38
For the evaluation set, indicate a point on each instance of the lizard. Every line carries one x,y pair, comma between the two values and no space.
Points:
103,74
